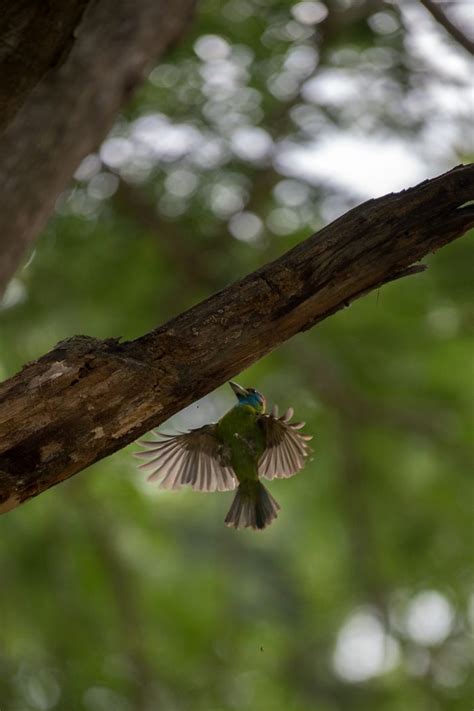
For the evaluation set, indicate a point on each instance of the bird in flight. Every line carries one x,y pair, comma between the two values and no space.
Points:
246,444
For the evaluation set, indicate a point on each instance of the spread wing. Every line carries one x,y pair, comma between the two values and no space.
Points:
195,458
286,448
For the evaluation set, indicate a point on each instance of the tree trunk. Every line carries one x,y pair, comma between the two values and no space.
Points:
69,112
35,38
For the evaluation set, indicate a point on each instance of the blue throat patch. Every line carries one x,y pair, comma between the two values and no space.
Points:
251,399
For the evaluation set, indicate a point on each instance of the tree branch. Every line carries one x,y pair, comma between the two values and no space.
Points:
437,12
88,398
71,110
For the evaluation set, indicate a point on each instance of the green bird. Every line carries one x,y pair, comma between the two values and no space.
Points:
241,447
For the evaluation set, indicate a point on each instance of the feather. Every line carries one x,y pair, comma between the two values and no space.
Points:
196,458
286,448
297,425
253,507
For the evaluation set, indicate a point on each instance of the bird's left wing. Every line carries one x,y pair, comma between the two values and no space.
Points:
196,458
285,447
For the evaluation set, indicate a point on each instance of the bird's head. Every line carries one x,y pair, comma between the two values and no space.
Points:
249,396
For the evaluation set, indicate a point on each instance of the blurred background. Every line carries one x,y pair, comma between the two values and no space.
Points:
269,120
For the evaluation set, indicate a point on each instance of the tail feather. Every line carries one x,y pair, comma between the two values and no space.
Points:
253,507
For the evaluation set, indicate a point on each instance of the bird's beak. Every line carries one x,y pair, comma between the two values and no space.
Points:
238,389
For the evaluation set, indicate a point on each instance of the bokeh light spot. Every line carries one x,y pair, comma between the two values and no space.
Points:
430,618
363,649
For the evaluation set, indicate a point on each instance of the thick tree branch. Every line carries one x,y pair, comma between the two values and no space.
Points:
72,108
88,398
436,11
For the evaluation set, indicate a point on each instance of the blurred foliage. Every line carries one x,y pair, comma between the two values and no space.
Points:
117,596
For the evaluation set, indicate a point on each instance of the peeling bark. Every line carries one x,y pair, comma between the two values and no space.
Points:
88,398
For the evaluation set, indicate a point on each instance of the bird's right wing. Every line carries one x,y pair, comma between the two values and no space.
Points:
196,458
285,447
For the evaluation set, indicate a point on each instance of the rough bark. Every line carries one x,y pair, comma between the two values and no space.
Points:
70,111
88,398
